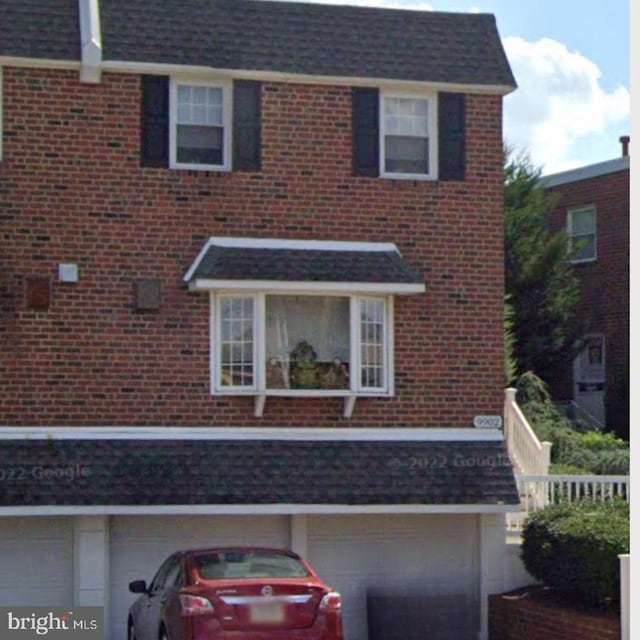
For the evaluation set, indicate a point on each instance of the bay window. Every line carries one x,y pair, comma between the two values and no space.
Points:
302,318
311,344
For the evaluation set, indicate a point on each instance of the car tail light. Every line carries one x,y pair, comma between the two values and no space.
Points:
195,605
331,602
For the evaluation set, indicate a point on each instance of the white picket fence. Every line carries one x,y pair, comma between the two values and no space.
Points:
539,491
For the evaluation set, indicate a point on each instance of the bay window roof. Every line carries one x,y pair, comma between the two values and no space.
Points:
261,264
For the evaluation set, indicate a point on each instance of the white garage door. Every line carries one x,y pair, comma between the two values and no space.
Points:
36,560
430,558
139,544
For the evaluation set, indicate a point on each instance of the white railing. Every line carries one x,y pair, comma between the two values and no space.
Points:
538,491
528,455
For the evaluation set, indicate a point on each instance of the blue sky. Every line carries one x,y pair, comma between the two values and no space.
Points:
571,61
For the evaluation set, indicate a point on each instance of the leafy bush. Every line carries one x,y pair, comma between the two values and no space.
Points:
562,469
602,440
595,452
614,462
574,548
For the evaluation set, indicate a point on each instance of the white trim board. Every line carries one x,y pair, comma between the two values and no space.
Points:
116,66
292,286
465,434
120,66
260,509
40,63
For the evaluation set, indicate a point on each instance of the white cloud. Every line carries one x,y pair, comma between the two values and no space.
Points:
559,104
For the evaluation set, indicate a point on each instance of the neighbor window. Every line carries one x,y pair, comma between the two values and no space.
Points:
407,135
275,343
581,228
200,125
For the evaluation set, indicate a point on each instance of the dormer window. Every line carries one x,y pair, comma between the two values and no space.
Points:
301,318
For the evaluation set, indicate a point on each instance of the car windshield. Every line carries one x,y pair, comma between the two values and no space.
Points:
248,565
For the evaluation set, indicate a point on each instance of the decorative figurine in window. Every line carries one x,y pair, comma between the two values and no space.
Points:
305,369
336,376
276,376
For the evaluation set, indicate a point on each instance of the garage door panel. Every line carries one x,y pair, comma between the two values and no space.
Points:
430,555
139,544
36,555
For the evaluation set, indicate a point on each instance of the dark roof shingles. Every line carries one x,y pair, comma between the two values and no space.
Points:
262,35
307,38
297,265
220,472
35,29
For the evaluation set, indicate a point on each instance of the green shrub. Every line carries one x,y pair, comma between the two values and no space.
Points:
577,456
595,452
562,469
602,440
574,548
614,462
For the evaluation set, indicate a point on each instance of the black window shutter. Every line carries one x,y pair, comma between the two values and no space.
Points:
154,121
247,148
451,136
366,142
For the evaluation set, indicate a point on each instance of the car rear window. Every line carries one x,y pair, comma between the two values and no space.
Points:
248,565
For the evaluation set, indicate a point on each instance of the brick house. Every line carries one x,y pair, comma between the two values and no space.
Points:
251,292
593,207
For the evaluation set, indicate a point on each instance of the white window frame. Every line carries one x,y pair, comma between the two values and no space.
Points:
259,386
227,106
432,130
216,332
573,239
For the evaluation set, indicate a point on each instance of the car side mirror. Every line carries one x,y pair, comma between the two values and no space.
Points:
138,586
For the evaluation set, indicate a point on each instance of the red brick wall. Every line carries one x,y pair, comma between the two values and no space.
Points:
72,191
604,285
520,617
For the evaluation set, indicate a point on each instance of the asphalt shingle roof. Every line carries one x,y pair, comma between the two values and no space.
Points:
264,35
224,472
304,265
37,29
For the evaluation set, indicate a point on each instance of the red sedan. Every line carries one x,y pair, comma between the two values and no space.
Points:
235,594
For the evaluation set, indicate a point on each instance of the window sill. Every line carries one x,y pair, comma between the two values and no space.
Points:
409,176
200,167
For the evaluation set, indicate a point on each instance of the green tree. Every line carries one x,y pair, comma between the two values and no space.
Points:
541,286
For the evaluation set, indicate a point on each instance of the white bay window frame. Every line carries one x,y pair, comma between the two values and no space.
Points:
226,88
431,101
259,389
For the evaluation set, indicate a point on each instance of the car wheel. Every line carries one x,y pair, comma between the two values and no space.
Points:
163,634
131,634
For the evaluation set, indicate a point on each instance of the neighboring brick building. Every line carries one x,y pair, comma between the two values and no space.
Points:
593,207
252,224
